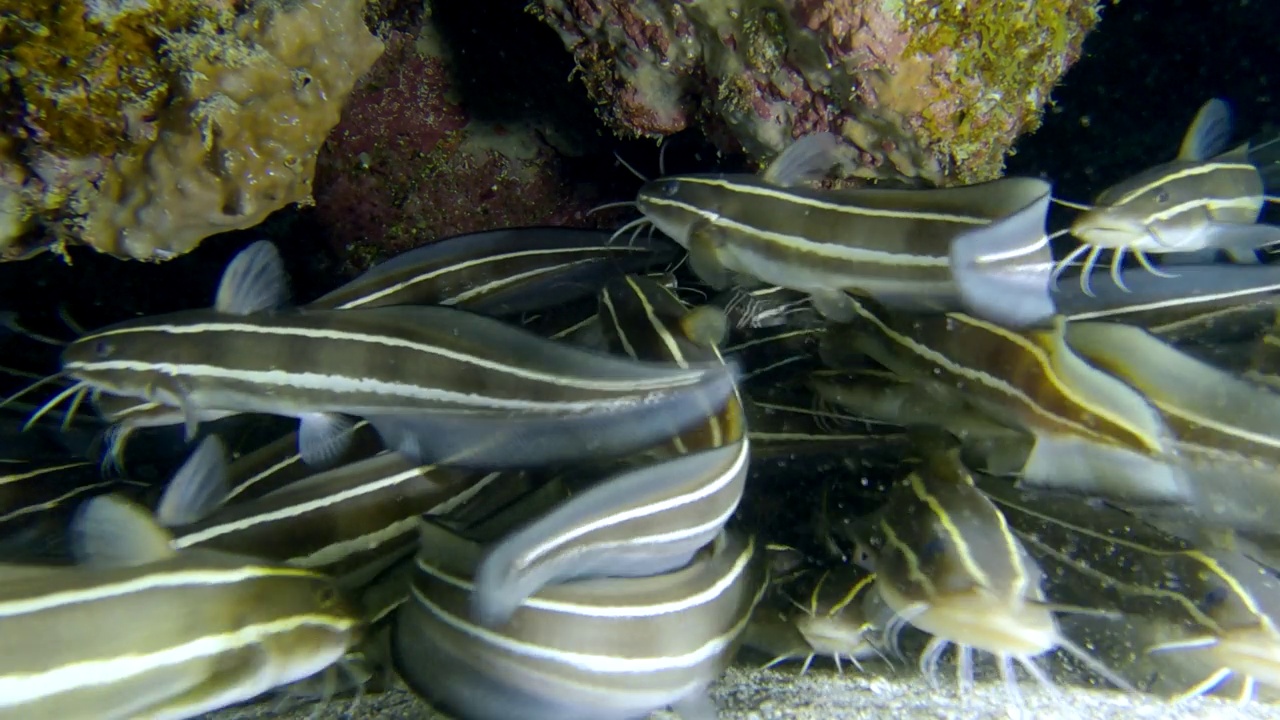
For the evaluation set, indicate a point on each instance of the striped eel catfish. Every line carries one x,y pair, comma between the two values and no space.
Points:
947,563
277,464
37,500
834,612
1090,431
257,472
1226,429
1208,312
1213,605
500,272
435,382
646,519
638,522
981,248
598,649
143,631
350,522
774,353
1204,198
909,402
785,429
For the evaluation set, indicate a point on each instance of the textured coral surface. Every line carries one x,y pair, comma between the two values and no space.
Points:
932,90
81,94
140,127
447,135
408,164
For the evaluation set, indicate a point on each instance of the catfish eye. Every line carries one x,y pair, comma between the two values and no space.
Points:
669,188
932,549
103,349
864,557
1162,197
328,597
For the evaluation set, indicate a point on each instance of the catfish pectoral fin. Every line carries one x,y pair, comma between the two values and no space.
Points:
323,438
704,256
834,305
197,488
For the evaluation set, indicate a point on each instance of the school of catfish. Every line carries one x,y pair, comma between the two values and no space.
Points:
553,473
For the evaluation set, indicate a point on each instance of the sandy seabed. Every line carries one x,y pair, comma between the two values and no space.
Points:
784,694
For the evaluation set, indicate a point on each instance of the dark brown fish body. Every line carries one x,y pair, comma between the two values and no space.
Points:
350,522
1198,600
37,501
476,382
500,272
640,518
912,249
603,649
1226,429
1091,431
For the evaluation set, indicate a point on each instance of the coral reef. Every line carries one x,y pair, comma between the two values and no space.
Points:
925,90
418,157
140,127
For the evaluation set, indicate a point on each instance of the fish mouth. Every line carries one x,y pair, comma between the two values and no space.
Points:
1100,232
676,229
827,636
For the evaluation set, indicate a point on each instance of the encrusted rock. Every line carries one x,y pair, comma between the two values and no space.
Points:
444,135
219,110
923,90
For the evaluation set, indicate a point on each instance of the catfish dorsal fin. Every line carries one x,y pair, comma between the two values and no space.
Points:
806,160
254,281
110,531
1209,132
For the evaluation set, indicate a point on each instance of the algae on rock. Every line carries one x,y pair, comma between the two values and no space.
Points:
930,91
140,127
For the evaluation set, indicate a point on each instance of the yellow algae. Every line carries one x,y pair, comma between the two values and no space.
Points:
88,73
1003,57
141,127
